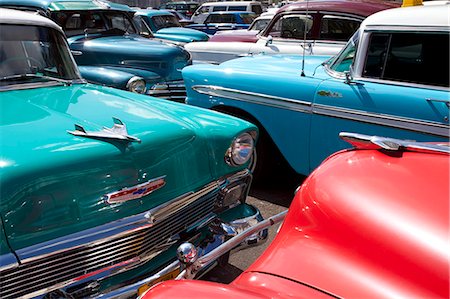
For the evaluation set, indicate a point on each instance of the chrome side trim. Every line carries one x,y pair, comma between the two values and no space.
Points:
119,228
254,98
8,261
410,124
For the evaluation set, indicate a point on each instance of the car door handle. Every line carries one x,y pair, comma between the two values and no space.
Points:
446,102
76,53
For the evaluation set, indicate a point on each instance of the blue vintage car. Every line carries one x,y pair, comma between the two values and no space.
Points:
225,20
391,79
109,50
165,25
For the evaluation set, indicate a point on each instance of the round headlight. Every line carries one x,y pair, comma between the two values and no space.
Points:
136,84
240,150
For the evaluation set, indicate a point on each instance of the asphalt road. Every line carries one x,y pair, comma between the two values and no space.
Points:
270,199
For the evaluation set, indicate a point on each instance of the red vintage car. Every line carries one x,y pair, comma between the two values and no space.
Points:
370,222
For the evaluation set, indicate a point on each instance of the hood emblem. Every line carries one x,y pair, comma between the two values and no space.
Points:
135,192
118,132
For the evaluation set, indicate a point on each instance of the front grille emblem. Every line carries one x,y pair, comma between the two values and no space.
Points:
135,192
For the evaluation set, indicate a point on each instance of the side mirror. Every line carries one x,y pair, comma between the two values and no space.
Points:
348,77
269,40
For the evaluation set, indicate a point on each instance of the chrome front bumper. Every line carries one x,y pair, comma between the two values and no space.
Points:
227,237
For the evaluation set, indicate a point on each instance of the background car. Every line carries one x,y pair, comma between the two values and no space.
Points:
182,19
206,8
243,35
390,81
218,21
165,25
109,49
187,8
329,24
99,185
348,234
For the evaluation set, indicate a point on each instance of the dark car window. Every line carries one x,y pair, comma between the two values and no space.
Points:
338,28
219,8
292,26
76,23
247,18
419,57
221,18
256,9
165,22
237,8
34,51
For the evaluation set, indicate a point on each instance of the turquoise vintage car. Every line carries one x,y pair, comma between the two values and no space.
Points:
165,25
110,51
392,79
98,186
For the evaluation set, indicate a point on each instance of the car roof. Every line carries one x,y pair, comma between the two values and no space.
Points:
17,17
56,5
231,13
356,7
414,16
153,12
234,3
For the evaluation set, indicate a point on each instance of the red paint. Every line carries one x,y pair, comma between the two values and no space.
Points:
245,36
365,224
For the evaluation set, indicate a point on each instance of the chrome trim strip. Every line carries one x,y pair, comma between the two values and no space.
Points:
427,127
254,98
362,141
8,261
121,227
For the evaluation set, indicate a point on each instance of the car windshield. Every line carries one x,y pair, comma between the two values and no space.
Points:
165,22
342,61
86,22
34,54
259,24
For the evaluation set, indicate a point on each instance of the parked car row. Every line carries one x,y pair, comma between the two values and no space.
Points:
102,188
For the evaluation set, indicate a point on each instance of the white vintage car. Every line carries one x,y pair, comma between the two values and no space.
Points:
328,24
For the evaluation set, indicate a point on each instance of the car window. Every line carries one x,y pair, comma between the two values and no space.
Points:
201,9
237,8
256,9
342,61
142,26
247,18
119,21
416,57
337,28
292,26
221,18
165,22
259,24
219,8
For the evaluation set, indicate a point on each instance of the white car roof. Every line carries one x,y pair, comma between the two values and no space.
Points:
17,17
229,3
414,16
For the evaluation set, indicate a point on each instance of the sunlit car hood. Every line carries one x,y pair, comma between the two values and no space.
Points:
129,51
194,35
41,194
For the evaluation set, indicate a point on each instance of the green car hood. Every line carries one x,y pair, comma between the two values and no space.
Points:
186,33
52,182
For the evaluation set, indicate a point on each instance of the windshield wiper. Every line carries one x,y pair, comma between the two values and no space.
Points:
32,76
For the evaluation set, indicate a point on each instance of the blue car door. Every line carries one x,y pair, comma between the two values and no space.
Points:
400,91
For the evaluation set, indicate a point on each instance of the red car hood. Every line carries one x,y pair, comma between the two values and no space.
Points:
381,232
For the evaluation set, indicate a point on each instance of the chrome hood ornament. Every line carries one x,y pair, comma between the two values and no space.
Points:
118,132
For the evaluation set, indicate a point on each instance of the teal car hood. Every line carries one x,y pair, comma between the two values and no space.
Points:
188,34
130,51
43,166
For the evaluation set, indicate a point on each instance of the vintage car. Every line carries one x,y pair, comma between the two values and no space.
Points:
109,50
328,24
225,20
182,19
243,35
186,8
99,185
391,79
370,222
206,8
165,25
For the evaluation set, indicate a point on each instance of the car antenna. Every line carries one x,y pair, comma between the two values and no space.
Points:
304,41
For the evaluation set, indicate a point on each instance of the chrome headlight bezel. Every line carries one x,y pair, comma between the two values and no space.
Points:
240,150
137,85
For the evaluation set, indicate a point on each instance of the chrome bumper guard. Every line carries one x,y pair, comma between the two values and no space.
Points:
191,266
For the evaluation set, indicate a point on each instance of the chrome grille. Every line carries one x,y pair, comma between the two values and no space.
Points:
44,273
173,90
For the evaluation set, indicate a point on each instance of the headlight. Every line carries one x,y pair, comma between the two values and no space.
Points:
136,84
240,151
